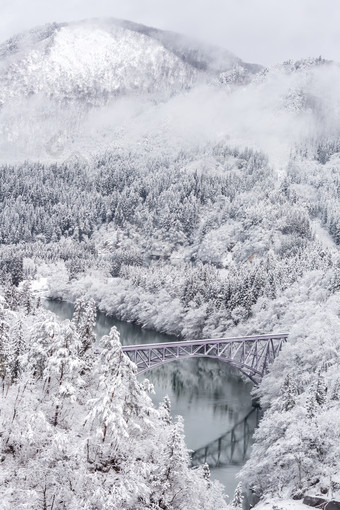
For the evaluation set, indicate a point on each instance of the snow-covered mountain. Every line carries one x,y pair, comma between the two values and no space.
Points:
94,60
89,63
89,86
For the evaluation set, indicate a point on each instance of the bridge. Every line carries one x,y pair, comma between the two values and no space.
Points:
251,355
233,447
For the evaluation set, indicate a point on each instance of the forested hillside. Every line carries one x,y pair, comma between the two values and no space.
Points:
208,233
211,248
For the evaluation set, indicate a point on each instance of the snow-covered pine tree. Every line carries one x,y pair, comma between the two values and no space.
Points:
63,365
311,404
288,394
78,311
164,410
84,317
89,322
120,407
11,296
320,389
4,345
26,298
237,501
173,490
17,349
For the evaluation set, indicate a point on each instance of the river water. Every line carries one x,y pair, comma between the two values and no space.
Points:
208,394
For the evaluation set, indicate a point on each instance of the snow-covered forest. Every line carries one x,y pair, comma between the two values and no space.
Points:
77,428
208,206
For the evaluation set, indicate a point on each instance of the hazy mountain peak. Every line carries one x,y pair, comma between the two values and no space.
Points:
150,83
86,61
93,60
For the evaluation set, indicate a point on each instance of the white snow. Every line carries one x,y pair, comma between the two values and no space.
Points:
322,235
281,504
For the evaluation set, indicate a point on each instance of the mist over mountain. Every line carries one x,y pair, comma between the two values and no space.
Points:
88,86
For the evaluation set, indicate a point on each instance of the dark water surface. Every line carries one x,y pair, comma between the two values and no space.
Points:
206,392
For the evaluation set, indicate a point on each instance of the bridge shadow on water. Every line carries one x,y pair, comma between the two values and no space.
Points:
231,448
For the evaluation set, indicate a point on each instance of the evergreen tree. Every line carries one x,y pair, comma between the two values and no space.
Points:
288,394
17,349
173,489
87,334
84,318
4,345
16,269
206,474
26,298
120,407
11,296
164,410
78,312
237,501
63,366
320,390
311,404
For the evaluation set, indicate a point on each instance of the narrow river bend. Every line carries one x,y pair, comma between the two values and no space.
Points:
208,394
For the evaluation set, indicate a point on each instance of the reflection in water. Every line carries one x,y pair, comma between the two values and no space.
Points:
206,392
233,447
210,398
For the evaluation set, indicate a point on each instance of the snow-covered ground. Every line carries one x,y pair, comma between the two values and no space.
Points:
281,504
322,235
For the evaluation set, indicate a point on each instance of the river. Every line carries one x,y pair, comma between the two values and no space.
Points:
208,394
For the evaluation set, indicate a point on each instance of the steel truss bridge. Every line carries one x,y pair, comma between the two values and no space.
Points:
251,355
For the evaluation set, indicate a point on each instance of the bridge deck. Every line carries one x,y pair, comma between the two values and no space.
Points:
205,341
251,354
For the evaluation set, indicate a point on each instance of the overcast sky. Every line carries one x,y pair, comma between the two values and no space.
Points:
263,31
